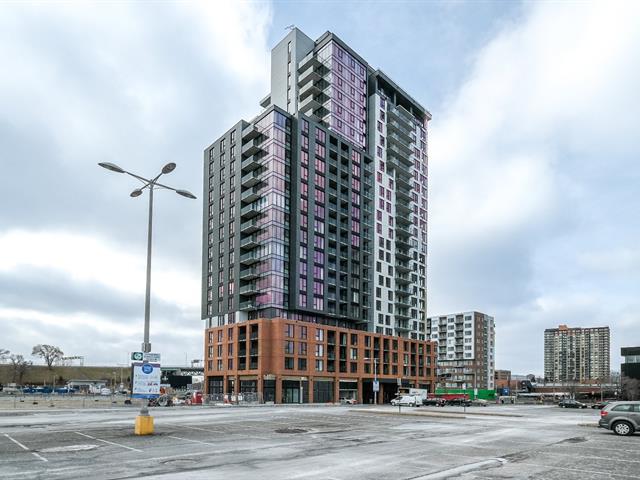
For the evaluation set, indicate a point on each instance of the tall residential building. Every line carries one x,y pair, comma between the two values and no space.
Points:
466,349
316,209
576,354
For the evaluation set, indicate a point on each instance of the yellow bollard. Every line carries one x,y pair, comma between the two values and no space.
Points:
144,425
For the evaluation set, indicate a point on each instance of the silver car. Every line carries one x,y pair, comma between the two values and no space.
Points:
621,417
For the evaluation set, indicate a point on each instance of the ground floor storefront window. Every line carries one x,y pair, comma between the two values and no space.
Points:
323,392
291,390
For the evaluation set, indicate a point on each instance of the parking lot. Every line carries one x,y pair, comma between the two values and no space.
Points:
316,442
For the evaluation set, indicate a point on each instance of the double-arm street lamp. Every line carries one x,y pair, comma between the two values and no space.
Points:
151,184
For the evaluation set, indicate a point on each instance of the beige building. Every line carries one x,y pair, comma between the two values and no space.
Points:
576,354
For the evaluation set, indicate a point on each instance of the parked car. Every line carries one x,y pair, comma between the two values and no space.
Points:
348,401
12,388
621,417
405,400
459,402
571,404
105,392
435,402
600,405
479,402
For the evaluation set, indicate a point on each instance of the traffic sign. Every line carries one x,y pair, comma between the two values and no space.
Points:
137,356
145,357
376,386
151,357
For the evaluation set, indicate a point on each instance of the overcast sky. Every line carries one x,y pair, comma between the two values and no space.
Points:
534,159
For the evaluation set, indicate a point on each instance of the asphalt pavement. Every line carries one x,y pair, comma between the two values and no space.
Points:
316,442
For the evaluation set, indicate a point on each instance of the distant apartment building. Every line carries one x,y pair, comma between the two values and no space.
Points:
466,349
579,355
315,210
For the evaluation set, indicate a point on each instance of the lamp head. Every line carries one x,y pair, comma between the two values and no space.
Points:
186,193
111,166
136,193
168,168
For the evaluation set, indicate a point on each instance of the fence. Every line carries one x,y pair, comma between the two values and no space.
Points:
50,400
247,398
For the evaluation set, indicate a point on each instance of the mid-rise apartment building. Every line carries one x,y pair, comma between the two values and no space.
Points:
579,355
466,349
316,209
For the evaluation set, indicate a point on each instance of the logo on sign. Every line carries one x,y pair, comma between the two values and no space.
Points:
146,368
137,356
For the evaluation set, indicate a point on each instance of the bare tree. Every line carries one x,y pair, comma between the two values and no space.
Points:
20,366
4,354
49,353
630,388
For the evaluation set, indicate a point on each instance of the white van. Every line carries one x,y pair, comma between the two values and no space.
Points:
407,401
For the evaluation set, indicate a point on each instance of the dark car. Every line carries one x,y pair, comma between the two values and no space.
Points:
434,402
600,405
621,417
459,402
571,404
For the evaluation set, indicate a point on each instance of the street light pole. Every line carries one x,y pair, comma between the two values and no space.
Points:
144,423
146,346
151,184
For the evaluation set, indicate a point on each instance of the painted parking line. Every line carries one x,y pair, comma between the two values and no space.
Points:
193,441
37,455
109,442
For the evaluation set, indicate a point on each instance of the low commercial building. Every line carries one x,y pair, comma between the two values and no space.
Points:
290,361
503,382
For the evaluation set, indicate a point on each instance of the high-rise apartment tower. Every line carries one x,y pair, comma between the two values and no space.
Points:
316,209
576,354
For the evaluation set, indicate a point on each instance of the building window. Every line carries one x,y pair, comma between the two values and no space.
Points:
319,334
319,365
288,330
288,363
319,350
288,347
